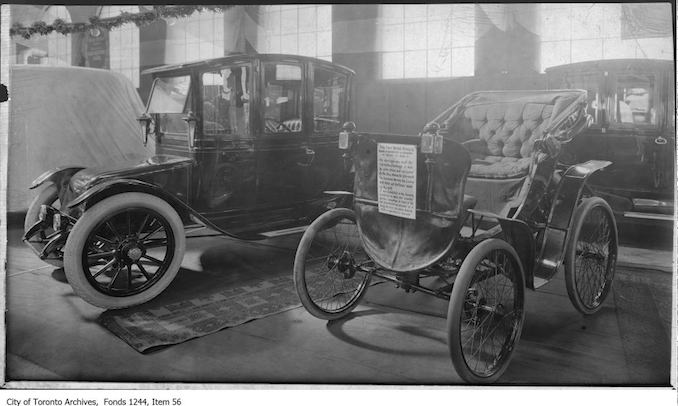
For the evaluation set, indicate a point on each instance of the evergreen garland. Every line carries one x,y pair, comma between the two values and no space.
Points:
140,19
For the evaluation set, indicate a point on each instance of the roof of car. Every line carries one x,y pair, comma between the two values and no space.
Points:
236,57
613,65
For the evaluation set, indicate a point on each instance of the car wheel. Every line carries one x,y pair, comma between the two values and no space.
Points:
125,250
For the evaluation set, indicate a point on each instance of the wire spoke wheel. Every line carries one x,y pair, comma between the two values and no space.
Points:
327,272
124,250
591,255
485,317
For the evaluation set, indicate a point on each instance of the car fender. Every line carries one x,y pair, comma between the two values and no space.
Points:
58,176
115,186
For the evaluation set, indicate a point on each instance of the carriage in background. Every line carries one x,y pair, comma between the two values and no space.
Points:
473,210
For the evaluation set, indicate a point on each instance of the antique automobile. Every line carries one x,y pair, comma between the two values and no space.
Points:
632,102
245,145
473,210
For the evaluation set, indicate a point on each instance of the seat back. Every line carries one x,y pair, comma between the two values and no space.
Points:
508,129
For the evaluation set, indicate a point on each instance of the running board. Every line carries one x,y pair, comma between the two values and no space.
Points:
649,216
285,231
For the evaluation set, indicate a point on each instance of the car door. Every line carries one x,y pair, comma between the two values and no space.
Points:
282,156
641,152
226,163
329,96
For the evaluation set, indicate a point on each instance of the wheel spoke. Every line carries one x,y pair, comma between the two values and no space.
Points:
105,268
115,277
115,233
150,258
143,224
100,255
129,276
143,271
151,233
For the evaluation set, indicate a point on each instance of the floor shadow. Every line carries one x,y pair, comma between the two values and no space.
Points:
337,329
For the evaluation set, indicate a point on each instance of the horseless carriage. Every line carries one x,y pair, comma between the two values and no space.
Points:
473,210
245,146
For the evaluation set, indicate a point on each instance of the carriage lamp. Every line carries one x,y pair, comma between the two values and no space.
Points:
429,139
144,125
56,222
191,120
344,136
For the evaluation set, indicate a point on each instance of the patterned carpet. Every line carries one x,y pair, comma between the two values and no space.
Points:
165,322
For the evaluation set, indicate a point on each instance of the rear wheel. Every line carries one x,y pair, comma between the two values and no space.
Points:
591,255
485,315
125,250
327,272
47,196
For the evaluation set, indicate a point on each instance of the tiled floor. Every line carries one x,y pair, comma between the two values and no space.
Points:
393,337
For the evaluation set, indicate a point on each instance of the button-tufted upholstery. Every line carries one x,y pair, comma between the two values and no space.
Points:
507,132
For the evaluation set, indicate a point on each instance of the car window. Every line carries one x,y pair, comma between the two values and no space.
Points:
632,102
591,82
225,101
169,95
329,100
169,102
281,98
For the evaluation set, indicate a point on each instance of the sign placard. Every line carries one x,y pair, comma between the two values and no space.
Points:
397,179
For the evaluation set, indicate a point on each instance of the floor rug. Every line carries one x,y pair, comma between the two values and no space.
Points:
199,309
153,325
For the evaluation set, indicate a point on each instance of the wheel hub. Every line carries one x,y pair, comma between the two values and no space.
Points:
344,264
134,253
131,251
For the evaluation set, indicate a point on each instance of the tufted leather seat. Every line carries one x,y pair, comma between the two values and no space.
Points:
503,136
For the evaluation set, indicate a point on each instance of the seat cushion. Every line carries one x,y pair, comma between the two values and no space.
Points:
509,129
499,167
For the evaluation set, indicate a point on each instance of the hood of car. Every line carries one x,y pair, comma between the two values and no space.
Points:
89,177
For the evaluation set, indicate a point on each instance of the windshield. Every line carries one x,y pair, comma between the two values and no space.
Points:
169,95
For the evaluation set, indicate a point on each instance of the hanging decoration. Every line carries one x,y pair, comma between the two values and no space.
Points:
96,23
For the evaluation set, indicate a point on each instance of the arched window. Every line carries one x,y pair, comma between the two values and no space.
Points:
58,45
123,44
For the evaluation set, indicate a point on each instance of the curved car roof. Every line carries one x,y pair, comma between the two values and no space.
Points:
242,57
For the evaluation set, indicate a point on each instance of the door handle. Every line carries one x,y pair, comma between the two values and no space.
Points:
310,156
660,140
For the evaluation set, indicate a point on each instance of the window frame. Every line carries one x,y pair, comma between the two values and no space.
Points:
345,104
251,99
303,100
612,122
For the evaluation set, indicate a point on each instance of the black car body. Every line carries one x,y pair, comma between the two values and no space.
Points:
245,145
633,105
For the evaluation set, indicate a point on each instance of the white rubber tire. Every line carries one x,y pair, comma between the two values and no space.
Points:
87,222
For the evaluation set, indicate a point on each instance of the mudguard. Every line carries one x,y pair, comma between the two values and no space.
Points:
114,186
558,226
57,176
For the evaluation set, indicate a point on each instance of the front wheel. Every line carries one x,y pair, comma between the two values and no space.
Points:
327,266
125,250
485,315
591,255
